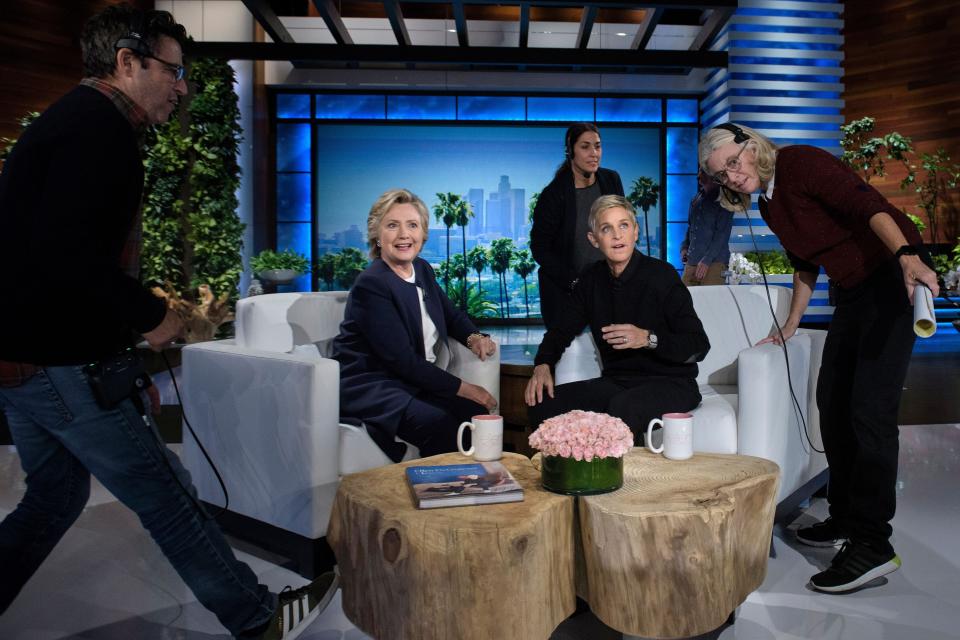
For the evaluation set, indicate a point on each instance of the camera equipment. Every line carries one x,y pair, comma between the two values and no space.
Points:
117,378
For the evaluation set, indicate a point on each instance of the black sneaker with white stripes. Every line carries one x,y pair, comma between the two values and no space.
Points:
855,565
823,534
298,608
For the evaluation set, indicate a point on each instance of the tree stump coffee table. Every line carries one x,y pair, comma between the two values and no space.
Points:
676,550
488,571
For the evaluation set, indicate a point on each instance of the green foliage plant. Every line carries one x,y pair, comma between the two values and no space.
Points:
918,222
326,269
287,259
191,232
942,263
340,268
644,195
935,189
350,263
476,305
773,262
868,154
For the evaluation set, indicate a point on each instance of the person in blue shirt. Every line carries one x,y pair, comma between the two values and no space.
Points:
705,251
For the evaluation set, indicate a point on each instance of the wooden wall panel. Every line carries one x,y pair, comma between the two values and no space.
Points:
903,68
40,53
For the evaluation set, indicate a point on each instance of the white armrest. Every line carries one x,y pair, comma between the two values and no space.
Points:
467,366
270,423
768,423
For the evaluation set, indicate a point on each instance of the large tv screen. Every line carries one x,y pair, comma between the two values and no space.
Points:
496,168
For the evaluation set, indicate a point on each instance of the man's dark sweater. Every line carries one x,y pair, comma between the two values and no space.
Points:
821,210
69,193
649,295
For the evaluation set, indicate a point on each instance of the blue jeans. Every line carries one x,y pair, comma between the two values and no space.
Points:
62,436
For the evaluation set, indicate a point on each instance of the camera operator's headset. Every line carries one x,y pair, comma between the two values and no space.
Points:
740,136
134,39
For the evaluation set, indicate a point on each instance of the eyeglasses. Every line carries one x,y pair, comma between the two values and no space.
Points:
733,164
178,71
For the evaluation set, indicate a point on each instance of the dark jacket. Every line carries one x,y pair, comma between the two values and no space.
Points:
380,347
69,195
649,295
552,237
821,210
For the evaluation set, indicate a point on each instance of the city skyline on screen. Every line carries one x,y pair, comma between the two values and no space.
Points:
496,168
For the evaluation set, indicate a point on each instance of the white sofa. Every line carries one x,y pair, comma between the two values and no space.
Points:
747,407
266,407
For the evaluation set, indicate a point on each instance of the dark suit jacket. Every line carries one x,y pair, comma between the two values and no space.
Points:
380,348
551,238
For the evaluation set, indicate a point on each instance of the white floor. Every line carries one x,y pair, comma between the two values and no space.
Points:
106,580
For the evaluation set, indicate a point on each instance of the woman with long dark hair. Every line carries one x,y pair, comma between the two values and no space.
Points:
558,239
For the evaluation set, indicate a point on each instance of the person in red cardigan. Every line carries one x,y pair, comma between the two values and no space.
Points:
826,216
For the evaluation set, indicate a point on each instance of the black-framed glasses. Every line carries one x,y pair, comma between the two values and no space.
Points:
178,70
733,164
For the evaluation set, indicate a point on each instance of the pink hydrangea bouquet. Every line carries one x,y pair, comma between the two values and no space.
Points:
583,435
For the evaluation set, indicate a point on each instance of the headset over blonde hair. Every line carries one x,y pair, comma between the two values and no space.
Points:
603,203
764,150
386,201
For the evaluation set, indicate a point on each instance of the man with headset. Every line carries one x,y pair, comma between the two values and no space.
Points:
69,242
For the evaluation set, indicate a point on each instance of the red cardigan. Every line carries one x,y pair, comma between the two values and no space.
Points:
821,210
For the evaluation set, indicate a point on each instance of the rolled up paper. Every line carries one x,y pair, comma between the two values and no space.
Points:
924,319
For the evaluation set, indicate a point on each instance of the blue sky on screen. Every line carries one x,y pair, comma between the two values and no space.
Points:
357,162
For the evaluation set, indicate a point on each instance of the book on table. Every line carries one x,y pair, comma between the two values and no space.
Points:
455,485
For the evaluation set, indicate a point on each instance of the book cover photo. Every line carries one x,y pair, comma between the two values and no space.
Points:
454,485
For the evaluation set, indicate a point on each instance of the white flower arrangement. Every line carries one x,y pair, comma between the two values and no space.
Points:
739,266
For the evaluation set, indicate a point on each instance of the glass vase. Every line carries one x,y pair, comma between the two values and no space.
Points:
580,477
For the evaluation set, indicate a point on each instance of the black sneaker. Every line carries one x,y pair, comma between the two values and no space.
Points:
298,608
823,534
855,565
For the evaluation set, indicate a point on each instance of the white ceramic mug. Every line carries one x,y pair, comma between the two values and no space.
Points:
677,435
487,437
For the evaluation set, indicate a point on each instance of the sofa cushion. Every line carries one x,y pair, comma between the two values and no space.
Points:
715,423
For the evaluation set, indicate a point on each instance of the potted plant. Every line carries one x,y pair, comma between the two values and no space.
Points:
279,267
582,452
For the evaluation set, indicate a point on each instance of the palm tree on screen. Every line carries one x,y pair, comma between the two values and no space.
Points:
501,252
644,196
350,263
326,269
445,211
523,266
464,212
477,259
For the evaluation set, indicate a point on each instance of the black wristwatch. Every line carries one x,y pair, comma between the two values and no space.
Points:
908,250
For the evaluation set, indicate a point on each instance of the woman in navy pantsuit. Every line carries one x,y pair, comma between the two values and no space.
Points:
392,342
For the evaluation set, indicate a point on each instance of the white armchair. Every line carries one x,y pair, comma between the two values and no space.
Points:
266,407
747,407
